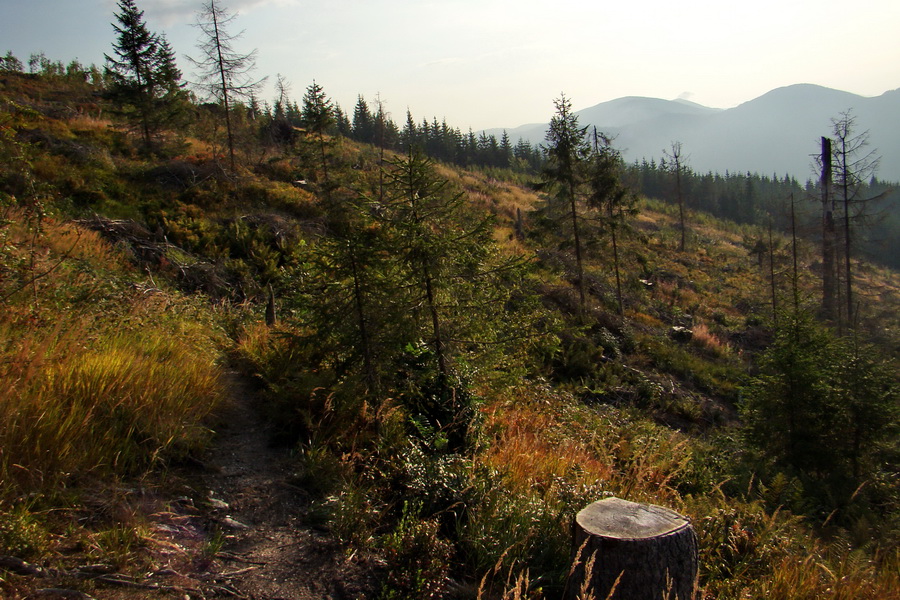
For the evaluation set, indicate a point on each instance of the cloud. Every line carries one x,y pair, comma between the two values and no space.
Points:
172,12
248,5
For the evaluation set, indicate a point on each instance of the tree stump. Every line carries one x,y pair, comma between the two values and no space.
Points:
628,551
271,319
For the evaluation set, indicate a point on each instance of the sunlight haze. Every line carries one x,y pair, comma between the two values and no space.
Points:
499,63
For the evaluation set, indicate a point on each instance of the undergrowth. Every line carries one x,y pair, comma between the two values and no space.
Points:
104,377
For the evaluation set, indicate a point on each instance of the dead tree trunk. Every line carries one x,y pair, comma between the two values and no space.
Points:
629,551
520,225
829,260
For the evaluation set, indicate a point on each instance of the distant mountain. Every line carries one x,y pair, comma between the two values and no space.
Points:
775,133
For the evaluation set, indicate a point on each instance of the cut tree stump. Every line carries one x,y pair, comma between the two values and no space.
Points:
628,551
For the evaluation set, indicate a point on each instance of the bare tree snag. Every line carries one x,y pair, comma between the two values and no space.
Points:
629,551
520,225
829,260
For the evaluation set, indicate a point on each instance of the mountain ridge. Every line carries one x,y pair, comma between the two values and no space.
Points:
776,132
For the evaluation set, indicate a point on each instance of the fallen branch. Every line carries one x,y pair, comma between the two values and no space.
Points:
119,580
235,573
20,567
95,573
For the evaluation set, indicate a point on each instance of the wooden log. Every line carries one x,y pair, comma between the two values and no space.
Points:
628,551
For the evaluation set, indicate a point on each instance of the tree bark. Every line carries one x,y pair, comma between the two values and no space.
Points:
628,551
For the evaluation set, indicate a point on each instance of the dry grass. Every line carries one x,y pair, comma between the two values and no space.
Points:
549,457
197,147
709,342
84,122
843,578
498,197
79,403
60,239
542,458
542,444
532,459
95,379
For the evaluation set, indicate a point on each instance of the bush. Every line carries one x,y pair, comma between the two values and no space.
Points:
21,534
418,560
823,410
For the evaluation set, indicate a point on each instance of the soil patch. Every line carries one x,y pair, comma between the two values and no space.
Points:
260,518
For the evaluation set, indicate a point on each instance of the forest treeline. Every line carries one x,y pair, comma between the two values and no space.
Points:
742,197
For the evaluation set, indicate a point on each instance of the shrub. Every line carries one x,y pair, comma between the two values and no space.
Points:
418,560
21,534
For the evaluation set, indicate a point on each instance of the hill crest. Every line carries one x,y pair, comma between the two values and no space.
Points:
774,133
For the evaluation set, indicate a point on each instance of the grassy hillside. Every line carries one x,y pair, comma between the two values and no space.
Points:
451,404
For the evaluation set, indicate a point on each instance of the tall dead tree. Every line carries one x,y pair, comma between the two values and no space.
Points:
224,73
854,165
773,287
675,164
795,277
829,263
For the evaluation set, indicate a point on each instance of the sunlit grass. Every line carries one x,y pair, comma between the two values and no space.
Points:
708,341
542,458
75,408
96,379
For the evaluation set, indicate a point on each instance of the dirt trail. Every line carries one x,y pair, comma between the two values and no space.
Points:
229,526
267,547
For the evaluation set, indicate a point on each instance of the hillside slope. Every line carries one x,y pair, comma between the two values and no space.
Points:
416,339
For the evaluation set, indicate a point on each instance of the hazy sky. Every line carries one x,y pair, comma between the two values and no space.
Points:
500,63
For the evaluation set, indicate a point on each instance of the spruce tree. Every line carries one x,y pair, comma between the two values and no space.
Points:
318,117
145,82
353,307
567,149
10,64
409,137
822,409
451,284
171,100
610,197
506,152
363,122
